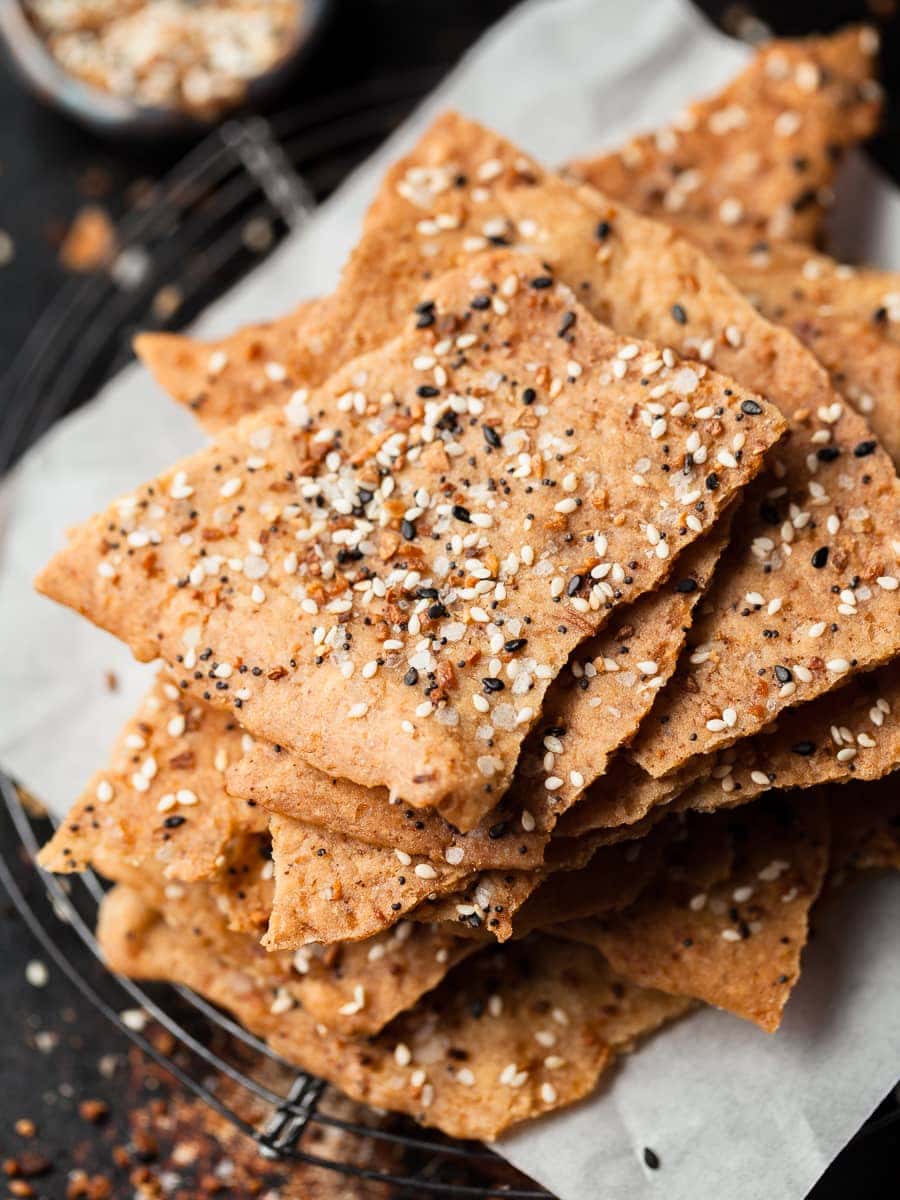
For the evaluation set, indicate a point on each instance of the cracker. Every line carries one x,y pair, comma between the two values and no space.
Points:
162,797
595,703
640,277
761,154
865,826
851,733
283,783
354,988
736,942
625,795
175,569
466,1059
330,888
613,879
847,316
224,380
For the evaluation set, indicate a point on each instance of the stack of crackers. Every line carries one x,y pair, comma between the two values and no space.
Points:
529,626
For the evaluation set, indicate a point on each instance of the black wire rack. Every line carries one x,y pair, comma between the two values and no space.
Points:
223,208
294,1104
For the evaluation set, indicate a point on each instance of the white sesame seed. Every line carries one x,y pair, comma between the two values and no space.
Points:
425,871
838,666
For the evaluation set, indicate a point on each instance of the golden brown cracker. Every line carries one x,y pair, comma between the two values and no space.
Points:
283,783
640,277
223,380
762,153
315,657
330,888
466,1059
851,733
736,942
162,797
847,316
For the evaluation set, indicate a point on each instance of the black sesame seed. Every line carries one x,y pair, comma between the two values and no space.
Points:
751,407
174,822
411,678
542,281
491,436
679,314
804,749
426,593
462,514
436,611
424,320
499,830
529,395
712,482
651,1158
603,230
515,644
568,320
492,684
574,584
427,390
407,529
481,302
686,586
864,449
827,453
819,557
782,674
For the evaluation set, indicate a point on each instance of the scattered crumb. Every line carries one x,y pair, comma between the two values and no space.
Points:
90,240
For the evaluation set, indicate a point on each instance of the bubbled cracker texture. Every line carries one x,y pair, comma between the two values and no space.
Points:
731,939
465,1059
281,576
760,155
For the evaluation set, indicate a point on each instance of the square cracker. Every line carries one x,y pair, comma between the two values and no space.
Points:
760,155
732,940
300,573
463,185
465,1059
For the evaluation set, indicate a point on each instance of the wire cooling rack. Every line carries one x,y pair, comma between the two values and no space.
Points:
197,231
61,915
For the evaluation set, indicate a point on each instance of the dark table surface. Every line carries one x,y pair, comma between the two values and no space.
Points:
56,1053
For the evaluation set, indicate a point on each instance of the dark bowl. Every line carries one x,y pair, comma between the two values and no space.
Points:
112,115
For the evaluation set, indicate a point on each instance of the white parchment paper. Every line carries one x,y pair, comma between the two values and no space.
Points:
730,1111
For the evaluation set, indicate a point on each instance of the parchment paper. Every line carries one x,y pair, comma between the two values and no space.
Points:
730,1111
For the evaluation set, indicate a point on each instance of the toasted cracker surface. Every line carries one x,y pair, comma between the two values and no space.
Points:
466,1059
851,733
162,797
641,278
847,316
289,571
734,938
761,154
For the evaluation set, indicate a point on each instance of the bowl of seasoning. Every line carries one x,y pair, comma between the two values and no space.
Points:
157,67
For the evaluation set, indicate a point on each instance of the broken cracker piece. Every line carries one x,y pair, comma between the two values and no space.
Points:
246,565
